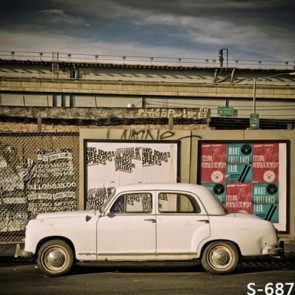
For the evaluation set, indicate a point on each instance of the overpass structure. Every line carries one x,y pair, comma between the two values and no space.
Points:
231,93
202,99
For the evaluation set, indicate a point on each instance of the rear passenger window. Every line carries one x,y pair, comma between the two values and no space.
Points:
177,203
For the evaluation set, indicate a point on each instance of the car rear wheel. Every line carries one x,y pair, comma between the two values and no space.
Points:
55,258
220,257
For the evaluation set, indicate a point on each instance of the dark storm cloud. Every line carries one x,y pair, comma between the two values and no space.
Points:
250,29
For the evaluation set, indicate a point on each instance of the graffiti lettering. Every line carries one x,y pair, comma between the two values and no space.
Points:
154,157
42,207
50,186
98,156
145,135
124,157
142,202
96,197
14,201
194,113
47,196
52,182
51,156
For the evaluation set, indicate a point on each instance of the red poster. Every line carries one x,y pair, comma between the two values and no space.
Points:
239,197
265,167
213,163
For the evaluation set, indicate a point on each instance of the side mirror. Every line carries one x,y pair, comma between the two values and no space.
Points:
111,215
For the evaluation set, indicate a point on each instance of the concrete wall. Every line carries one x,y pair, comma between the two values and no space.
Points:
189,141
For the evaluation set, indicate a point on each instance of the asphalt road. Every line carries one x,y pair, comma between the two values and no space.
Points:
269,277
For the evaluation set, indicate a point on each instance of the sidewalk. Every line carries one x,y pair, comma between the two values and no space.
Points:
290,248
8,254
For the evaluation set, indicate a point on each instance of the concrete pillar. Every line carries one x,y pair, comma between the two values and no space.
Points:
72,100
63,101
54,100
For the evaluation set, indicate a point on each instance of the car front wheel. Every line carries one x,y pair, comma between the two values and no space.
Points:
220,257
55,258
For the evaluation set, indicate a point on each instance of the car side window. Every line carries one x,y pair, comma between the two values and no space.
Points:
177,203
133,203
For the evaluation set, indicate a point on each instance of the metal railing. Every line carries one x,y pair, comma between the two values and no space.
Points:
145,60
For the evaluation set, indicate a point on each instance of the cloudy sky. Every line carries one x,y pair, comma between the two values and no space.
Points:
249,29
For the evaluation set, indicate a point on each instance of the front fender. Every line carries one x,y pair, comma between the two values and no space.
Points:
80,232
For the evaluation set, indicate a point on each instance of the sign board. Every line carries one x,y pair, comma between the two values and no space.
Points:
254,120
109,164
226,111
247,177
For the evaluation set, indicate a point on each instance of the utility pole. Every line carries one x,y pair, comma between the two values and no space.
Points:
254,117
221,58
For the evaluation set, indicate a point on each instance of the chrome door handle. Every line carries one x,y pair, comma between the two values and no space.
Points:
151,220
203,220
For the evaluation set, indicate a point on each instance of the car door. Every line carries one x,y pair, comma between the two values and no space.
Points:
182,223
129,226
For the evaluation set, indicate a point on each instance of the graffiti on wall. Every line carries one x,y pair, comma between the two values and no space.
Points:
110,164
28,186
247,177
146,134
194,113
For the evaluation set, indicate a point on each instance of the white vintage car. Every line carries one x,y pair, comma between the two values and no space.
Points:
151,222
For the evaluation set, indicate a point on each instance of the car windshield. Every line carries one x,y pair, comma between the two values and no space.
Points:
107,202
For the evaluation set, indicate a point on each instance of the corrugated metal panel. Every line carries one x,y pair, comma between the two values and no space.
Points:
243,123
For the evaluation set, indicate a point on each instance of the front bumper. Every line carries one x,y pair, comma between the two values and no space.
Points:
20,252
277,250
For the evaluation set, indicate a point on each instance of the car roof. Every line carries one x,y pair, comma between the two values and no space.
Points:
162,186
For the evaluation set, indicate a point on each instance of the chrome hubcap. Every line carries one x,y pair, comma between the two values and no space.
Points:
55,259
220,257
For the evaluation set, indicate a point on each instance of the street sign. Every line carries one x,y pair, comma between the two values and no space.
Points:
254,120
226,111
